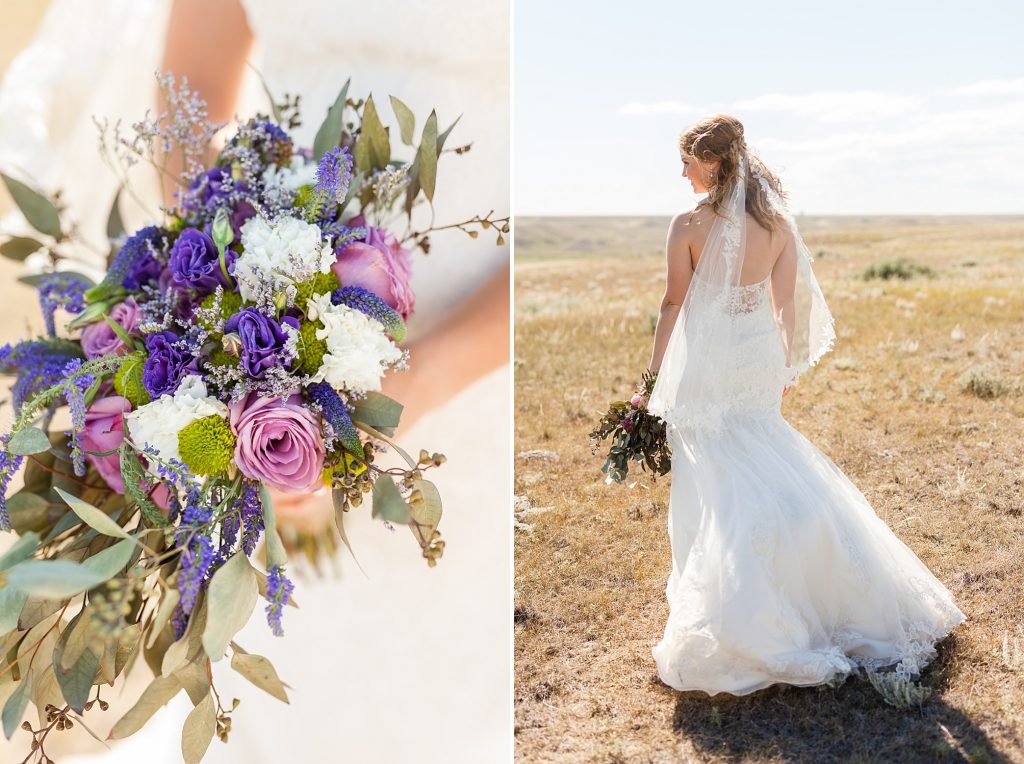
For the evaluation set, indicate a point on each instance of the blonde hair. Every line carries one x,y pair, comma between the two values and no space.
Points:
719,138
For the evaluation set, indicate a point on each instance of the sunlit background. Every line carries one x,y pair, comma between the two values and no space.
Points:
865,108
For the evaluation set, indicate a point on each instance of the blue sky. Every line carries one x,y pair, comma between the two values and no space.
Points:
871,107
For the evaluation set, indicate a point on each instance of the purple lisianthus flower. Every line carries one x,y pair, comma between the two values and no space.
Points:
263,340
166,364
211,188
195,263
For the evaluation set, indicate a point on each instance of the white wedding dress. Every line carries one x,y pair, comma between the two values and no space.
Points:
405,663
781,570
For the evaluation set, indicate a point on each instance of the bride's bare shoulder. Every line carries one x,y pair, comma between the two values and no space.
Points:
685,223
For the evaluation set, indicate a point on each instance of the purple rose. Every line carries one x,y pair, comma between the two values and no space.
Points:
166,365
279,443
262,338
195,264
379,264
99,339
104,431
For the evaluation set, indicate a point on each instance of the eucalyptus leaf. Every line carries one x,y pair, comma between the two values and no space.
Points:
338,495
163,614
111,560
276,554
329,134
19,247
30,440
35,279
11,603
14,708
194,679
155,696
373,151
92,516
198,731
260,672
443,137
426,513
426,156
406,120
230,600
378,411
76,683
115,225
53,578
37,209
20,550
388,503
274,108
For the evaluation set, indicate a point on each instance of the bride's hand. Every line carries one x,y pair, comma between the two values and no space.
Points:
307,513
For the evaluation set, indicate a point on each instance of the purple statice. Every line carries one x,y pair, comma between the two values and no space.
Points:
272,142
74,394
263,340
215,189
58,290
279,589
251,517
367,302
326,399
9,465
229,528
195,263
36,365
168,361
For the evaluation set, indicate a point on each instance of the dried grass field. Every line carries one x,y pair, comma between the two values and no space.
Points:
920,403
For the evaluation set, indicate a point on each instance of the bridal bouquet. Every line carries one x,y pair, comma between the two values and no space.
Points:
636,435
235,348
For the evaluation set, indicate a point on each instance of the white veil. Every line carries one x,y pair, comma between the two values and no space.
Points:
690,391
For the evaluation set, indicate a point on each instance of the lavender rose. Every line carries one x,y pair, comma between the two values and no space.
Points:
279,443
99,339
262,338
195,264
104,431
381,265
166,364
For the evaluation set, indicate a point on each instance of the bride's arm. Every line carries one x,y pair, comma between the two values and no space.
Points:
680,272
783,290
471,341
207,42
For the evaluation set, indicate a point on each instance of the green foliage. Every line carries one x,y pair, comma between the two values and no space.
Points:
207,445
636,435
128,379
311,350
899,268
39,211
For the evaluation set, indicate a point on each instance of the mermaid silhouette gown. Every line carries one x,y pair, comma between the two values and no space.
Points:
781,570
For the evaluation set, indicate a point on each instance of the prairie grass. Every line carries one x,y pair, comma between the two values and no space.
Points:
939,463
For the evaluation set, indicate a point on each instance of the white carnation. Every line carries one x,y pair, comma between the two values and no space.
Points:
158,423
300,173
358,350
275,255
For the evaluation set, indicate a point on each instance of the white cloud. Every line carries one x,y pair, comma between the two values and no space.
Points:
660,107
835,106
989,87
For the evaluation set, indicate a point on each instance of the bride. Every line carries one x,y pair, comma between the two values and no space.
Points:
403,663
781,570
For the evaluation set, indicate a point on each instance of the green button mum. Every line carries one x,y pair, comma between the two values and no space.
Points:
128,379
207,445
311,350
322,283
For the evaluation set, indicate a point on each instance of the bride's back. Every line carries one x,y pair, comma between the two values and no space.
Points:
763,247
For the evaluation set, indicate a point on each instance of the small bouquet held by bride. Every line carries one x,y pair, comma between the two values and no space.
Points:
636,434
236,347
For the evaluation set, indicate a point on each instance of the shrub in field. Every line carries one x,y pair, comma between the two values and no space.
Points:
985,382
900,268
